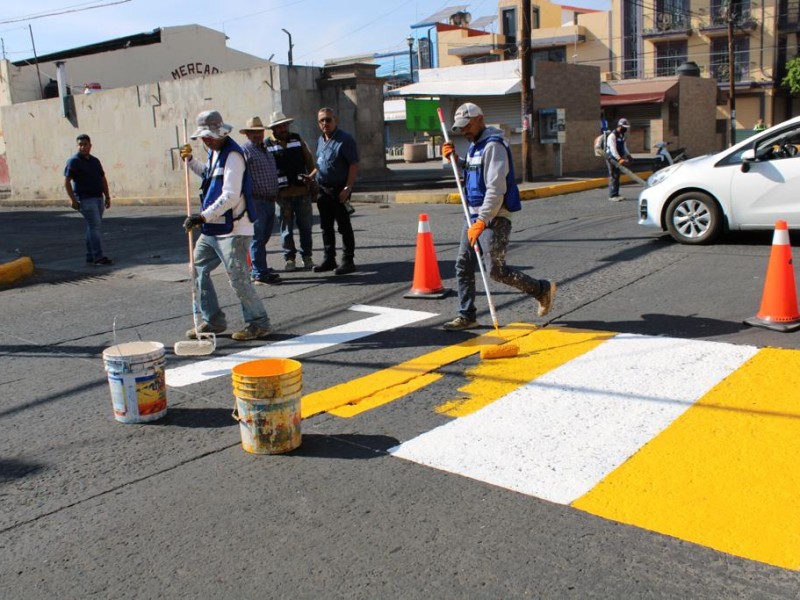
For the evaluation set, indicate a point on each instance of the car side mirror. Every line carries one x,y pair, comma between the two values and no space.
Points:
748,156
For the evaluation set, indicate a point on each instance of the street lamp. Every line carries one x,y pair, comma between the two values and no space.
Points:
290,45
410,40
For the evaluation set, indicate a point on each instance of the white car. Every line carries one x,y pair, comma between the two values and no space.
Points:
748,186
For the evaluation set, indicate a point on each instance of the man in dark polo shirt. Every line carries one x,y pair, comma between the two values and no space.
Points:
337,168
87,188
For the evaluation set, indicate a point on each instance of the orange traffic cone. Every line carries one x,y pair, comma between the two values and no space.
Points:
427,282
779,303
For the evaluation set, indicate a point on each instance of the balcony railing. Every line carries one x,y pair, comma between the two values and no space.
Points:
720,72
667,23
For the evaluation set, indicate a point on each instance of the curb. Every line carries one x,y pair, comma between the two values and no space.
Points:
15,270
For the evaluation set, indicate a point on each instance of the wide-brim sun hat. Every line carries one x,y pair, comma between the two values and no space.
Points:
210,124
278,118
253,124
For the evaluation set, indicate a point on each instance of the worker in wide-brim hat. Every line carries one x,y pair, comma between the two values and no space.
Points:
295,167
264,173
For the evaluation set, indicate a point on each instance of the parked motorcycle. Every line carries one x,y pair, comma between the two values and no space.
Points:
664,158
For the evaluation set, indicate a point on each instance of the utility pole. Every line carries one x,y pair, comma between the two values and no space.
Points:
526,103
290,45
731,72
36,58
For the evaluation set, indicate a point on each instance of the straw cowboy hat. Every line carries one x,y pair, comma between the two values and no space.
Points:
253,124
278,118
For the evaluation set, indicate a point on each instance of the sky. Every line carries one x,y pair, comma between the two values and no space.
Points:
319,29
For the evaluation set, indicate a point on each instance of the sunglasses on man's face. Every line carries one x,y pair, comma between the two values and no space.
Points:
326,120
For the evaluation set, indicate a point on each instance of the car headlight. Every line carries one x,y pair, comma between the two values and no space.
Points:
661,175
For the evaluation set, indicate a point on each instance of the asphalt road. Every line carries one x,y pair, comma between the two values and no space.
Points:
176,509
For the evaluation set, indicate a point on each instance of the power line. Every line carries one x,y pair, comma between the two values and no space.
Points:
73,9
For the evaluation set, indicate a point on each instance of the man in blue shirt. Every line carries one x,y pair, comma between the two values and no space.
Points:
337,168
87,188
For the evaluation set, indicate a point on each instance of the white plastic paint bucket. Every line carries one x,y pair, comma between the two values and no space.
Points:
137,381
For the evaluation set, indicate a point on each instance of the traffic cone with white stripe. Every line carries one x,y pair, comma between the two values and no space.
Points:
427,281
779,302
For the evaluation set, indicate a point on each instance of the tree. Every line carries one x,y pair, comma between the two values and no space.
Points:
792,79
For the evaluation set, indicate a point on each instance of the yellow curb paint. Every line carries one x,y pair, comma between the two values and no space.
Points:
363,388
726,474
15,270
539,352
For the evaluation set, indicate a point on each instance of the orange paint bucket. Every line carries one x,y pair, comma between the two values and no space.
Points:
268,393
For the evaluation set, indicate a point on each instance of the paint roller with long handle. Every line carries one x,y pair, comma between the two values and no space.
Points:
205,343
506,350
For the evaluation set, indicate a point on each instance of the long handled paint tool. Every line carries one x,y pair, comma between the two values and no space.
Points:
504,350
205,343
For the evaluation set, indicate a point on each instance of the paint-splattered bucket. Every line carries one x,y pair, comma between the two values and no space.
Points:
137,382
268,395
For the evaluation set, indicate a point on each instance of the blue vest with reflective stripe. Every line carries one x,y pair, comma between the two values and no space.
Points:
475,183
211,189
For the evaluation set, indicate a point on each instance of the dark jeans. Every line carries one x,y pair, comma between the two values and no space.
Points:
613,179
332,211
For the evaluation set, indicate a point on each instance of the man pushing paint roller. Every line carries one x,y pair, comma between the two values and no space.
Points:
226,225
490,198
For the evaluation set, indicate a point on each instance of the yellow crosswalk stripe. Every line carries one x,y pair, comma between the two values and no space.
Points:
726,474
391,383
539,353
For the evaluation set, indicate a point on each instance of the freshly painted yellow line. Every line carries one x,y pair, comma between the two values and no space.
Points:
357,390
539,353
382,397
726,474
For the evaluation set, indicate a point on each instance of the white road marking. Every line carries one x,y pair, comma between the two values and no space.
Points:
558,436
385,319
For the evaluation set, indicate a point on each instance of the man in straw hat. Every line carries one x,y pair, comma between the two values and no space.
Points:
295,163
226,223
262,169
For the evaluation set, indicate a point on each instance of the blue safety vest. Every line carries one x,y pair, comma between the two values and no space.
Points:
475,183
211,189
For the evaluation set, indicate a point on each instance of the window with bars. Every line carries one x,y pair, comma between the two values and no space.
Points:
739,10
669,56
741,59
672,14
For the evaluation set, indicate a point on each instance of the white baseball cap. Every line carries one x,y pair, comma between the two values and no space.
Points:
464,113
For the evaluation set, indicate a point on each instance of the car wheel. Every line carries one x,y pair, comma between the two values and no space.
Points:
694,218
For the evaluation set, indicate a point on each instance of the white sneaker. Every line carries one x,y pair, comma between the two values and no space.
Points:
289,266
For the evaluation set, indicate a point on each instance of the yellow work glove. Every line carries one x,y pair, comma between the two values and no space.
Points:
474,232
186,152
447,150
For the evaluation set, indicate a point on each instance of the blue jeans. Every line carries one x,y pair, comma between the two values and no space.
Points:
92,211
295,211
495,239
231,252
262,230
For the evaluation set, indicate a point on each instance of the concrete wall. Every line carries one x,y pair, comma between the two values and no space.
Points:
697,115
137,130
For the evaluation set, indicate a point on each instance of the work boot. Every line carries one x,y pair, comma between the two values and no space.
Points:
206,328
547,299
251,332
289,266
460,323
329,264
269,278
308,263
347,266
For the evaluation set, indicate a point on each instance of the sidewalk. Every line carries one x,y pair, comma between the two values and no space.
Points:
430,182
